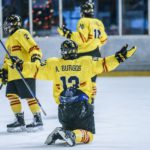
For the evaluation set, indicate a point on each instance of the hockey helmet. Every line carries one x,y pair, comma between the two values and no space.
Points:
87,9
69,49
12,23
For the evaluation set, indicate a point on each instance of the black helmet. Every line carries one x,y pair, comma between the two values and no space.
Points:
87,9
12,23
69,49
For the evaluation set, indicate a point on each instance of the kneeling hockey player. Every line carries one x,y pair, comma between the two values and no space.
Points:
72,87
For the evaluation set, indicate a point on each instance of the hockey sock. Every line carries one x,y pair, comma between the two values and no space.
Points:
14,103
83,136
34,107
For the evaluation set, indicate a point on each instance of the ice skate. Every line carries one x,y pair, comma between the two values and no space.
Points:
36,125
18,125
53,136
67,136
60,133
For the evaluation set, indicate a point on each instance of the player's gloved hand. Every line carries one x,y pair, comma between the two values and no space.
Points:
63,31
123,54
16,63
4,76
36,58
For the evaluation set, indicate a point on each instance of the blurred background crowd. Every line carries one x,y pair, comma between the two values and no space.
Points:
45,15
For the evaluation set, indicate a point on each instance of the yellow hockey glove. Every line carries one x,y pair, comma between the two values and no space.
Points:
63,31
131,51
123,54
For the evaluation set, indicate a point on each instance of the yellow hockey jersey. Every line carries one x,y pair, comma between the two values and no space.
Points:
90,34
22,45
66,73
78,72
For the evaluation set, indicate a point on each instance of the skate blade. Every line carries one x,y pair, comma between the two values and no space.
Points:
68,140
16,129
49,139
34,129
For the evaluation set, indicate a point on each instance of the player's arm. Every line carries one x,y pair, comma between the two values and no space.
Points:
103,37
45,71
64,31
112,62
80,36
42,72
28,43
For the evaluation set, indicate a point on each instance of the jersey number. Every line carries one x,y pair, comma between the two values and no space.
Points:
26,36
97,33
70,80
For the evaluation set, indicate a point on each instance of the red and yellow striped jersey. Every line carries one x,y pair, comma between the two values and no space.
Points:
22,45
90,34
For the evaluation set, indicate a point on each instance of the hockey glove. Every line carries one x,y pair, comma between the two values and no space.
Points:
63,31
4,76
123,54
36,58
16,63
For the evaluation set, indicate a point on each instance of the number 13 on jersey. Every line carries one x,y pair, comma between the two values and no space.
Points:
74,80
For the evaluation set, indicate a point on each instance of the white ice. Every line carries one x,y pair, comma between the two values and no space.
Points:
122,117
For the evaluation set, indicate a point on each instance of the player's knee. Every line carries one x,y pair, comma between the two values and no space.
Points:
12,96
14,102
91,137
88,137
83,136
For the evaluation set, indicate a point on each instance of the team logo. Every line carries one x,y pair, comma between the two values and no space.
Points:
82,26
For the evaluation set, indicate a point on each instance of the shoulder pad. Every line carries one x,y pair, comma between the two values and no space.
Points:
22,32
53,59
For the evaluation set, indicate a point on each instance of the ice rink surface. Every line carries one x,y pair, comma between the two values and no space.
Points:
122,117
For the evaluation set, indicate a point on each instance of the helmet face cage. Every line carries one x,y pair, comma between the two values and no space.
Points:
87,9
12,23
69,49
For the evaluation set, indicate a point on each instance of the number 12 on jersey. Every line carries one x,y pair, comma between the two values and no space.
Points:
97,33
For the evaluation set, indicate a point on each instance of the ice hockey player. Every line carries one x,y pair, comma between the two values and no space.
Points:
71,78
90,35
20,44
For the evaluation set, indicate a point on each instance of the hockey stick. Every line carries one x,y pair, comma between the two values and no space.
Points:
1,86
23,79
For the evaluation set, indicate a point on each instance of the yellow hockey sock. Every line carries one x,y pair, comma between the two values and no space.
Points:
83,136
34,107
14,103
